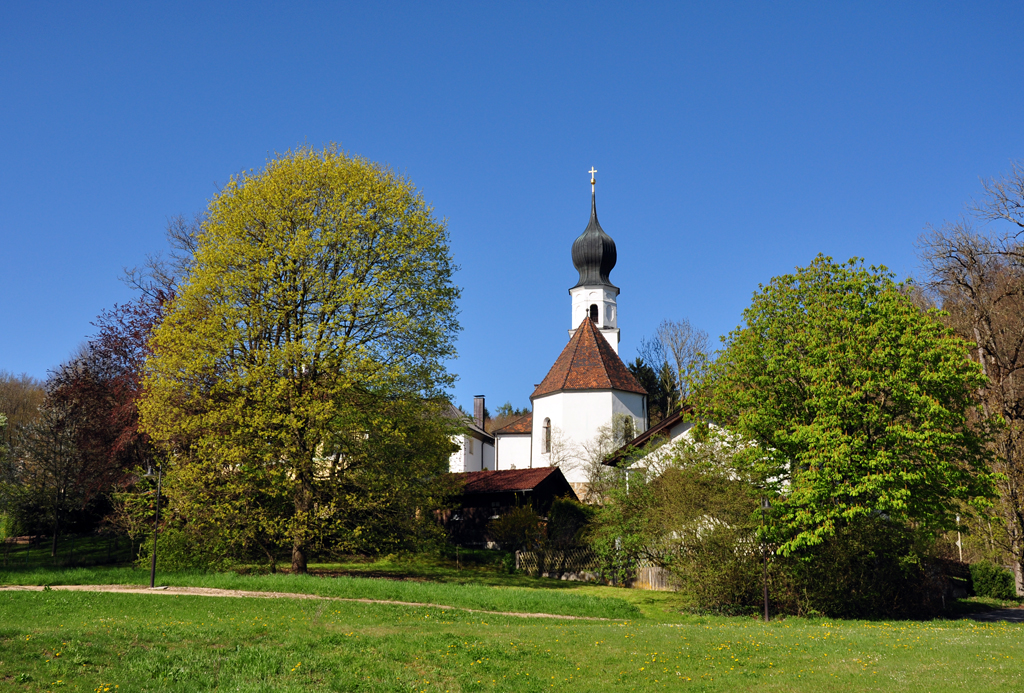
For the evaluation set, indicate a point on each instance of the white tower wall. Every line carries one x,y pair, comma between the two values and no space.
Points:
604,297
576,416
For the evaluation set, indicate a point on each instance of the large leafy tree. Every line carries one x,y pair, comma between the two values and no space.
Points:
865,405
318,285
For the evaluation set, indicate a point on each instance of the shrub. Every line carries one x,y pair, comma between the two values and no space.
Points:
872,567
176,550
567,523
992,581
516,530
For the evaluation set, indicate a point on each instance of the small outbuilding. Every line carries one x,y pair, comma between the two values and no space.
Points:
488,495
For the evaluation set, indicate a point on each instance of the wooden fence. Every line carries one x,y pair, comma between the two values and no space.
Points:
582,565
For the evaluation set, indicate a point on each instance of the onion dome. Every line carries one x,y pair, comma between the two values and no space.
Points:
593,253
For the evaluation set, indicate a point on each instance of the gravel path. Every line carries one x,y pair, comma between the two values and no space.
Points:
213,592
1008,615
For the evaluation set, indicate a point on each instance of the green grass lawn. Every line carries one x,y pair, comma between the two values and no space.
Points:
519,599
126,642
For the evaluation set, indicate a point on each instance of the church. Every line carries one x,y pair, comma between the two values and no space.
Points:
586,392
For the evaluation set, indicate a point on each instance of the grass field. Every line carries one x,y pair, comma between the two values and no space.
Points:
118,643
519,599
126,642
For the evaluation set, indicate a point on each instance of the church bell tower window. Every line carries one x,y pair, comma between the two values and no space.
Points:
593,312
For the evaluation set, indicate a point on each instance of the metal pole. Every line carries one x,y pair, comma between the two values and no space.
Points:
764,554
959,542
156,527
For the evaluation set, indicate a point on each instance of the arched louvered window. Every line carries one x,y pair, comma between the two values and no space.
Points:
547,435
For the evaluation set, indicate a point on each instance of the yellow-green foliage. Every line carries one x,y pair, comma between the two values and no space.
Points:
321,285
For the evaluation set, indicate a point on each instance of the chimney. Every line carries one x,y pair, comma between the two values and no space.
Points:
478,411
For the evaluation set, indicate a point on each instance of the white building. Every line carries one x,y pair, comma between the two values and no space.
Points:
476,446
588,389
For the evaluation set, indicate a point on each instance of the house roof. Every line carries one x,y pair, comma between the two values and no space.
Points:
477,432
524,424
588,362
506,481
657,431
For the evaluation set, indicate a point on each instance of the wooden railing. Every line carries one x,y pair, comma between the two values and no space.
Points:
582,565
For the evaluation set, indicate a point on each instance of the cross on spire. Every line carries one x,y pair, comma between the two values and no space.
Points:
592,179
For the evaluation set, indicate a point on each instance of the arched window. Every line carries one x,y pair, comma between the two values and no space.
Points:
547,435
593,312
628,432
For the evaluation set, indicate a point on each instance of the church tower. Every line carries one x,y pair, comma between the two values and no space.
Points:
594,296
588,389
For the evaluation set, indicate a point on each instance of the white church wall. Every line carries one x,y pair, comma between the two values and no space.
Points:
575,419
631,404
513,451
603,297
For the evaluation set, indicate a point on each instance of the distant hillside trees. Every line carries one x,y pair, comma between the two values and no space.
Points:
20,397
503,416
83,444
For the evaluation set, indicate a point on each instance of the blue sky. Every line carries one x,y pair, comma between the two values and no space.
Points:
733,142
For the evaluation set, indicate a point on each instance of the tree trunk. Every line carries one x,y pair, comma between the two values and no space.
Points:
1013,529
53,547
303,505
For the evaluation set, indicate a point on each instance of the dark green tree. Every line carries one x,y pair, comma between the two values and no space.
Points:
659,386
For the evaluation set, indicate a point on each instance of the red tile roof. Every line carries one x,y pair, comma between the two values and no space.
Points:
588,362
524,424
506,480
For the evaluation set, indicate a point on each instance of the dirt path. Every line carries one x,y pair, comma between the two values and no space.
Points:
214,592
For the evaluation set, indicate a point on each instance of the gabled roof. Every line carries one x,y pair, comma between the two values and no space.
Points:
588,362
506,481
524,424
454,413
